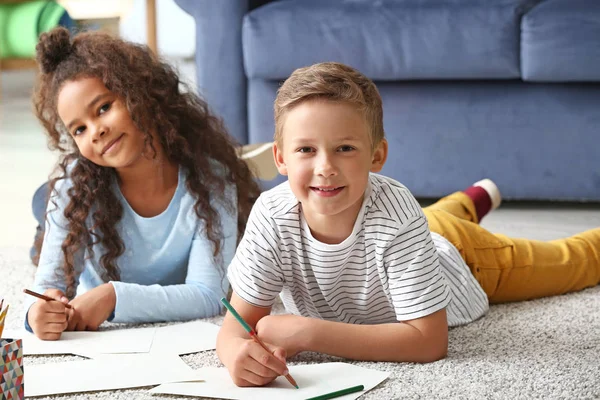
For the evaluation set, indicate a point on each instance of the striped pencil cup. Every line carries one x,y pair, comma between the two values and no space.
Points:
11,367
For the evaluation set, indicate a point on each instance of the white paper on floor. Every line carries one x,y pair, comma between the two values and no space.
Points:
186,338
313,380
108,372
179,339
82,343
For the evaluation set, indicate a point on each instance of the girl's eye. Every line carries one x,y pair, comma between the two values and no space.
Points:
79,130
346,148
104,108
304,150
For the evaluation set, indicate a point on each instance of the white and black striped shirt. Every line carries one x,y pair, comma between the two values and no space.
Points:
387,270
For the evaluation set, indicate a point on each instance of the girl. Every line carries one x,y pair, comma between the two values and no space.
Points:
150,198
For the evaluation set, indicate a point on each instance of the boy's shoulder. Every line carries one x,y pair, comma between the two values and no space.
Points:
278,201
391,199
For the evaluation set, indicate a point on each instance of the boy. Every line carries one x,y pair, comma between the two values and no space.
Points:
351,252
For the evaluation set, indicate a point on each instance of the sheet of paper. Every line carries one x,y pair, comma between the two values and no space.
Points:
82,343
313,380
186,338
107,372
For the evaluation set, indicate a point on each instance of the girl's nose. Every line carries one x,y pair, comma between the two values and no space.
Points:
98,131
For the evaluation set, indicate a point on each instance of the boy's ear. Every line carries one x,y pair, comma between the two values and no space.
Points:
279,161
379,156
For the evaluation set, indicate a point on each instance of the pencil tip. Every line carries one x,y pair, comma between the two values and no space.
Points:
297,387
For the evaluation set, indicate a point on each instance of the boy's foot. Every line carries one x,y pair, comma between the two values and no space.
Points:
485,195
260,160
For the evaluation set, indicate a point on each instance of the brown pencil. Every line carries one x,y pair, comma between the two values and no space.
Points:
2,318
41,296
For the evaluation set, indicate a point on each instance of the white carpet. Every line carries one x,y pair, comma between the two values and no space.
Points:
544,349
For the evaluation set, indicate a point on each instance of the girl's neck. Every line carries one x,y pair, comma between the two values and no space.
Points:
149,176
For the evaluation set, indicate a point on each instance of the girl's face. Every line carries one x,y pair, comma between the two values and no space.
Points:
100,124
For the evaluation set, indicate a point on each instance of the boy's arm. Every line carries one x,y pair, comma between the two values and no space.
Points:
421,340
249,364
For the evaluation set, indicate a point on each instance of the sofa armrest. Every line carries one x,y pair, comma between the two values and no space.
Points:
219,60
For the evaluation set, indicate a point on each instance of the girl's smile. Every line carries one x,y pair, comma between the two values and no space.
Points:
113,146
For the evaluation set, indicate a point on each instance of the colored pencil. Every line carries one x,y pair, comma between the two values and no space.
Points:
2,318
339,393
253,334
41,296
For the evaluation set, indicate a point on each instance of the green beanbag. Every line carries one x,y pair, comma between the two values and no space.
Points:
22,23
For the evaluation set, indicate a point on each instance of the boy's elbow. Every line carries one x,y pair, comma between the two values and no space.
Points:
437,349
438,354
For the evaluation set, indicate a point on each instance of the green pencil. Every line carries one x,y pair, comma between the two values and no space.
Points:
339,393
253,334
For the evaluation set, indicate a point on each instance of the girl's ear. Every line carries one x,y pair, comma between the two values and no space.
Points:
279,160
379,156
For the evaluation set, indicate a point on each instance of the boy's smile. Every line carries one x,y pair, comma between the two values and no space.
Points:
327,191
326,153
99,123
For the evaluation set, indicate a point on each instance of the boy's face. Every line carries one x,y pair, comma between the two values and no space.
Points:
100,123
326,153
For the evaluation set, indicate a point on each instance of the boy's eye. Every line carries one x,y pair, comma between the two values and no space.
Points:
304,150
346,148
104,108
79,130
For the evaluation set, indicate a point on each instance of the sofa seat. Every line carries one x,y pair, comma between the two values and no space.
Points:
386,40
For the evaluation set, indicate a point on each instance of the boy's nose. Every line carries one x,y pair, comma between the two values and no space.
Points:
325,167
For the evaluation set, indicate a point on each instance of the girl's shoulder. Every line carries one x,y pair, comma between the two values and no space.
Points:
63,182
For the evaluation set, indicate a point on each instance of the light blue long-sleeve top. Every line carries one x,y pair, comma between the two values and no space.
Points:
168,272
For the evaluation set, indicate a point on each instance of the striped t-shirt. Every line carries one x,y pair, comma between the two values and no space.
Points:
387,270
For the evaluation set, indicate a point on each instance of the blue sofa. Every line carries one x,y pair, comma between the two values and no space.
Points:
505,89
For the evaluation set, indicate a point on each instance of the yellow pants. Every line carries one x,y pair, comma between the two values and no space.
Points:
511,269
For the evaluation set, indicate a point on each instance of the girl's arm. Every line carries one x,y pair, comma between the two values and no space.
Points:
199,296
49,275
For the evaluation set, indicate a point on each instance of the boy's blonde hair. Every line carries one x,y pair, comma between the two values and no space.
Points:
334,82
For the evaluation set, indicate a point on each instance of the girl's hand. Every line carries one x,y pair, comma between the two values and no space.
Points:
287,331
92,308
48,319
252,365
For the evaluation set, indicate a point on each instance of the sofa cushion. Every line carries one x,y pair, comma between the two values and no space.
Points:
560,41
386,39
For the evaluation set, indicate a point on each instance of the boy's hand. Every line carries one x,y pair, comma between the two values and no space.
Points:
48,319
287,331
92,308
252,365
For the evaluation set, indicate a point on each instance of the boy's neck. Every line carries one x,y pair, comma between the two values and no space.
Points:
333,229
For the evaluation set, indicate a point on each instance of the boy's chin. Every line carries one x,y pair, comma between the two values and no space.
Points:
323,211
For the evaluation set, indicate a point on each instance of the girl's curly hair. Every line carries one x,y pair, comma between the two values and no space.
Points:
190,134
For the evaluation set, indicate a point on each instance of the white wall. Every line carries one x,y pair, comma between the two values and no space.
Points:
176,30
